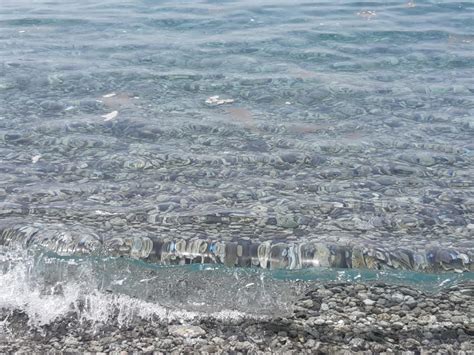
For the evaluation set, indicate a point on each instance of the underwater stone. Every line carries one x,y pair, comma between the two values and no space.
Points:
91,106
286,221
51,106
186,331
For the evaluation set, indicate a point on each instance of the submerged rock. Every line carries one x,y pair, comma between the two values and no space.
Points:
186,331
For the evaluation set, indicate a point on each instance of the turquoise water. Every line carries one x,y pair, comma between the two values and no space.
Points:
333,137
46,286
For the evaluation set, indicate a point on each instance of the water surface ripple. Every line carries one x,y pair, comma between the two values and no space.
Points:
342,135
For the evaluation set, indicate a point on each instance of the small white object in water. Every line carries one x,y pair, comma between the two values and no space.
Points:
119,282
35,158
444,282
103,213
250,284
69,108
288,103
110,116
112,94
146,280
214,100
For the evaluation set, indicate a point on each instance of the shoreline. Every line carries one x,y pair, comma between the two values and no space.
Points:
330,318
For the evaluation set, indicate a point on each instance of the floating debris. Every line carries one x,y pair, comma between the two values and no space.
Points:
35,158
112,94
110,116
215,101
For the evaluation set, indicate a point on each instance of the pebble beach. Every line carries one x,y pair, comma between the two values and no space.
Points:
330,318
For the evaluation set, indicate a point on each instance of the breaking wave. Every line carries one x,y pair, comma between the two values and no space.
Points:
46,287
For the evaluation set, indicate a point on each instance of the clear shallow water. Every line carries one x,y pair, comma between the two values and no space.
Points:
345,138
47,287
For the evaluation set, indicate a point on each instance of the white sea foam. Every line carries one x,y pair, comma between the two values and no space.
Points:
19,292
100,290
23,289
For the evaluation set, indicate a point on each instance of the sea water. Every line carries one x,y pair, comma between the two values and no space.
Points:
257,145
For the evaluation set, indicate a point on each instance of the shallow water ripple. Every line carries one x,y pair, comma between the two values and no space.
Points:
342,135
